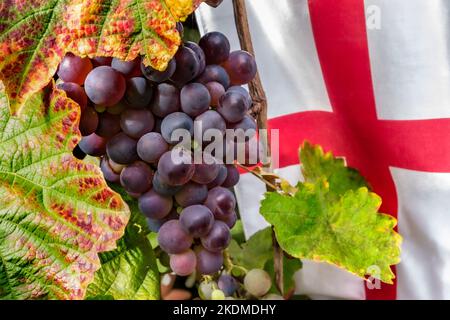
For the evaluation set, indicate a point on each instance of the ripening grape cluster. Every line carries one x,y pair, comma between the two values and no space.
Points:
129,115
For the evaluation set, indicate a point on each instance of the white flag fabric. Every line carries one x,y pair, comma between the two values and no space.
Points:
370,81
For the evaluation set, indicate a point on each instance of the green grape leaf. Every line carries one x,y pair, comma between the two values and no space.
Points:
34,35
56,212
332,222
130,272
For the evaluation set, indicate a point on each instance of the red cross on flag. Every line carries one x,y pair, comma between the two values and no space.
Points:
370,81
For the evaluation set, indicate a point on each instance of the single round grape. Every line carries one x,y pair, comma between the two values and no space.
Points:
208,262
197,220
137,122
213,3
200,55
216,90
172,238
75,92
137,177
166,100
93,145
218,238
99,108
122,149
88,121
108,125
151,147
154,205
207,123
116,167
139,92
129,69
232,107
217,295
164,188
206,171
257,282
232,176
245,129
195,99
221,176
108,173
175,167
227,284
230,220
74,69
187,66
159,76
176,121
243,91
205,289
221,202
216,47
215,73
101,61
191,193
105,86
78,153
118,108
241,67
183,264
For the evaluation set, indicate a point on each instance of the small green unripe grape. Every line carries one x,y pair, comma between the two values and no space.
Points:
257,282
205,290
217,295
272,296
99,108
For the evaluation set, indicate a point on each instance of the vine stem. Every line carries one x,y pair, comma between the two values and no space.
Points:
259,109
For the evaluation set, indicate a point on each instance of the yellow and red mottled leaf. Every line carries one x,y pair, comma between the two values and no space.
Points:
34,35
56,212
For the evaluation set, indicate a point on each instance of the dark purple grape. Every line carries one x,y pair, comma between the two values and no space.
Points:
88,121
137,122
183,264
213,3
93,145
232,107
230,220
195,99
108,173
221,176
190,194
209,122
218,238
175,167
129,69
151,147
221,202
137,177
200,55
75,92
245,129
197,220
156,75
74,69
172,238
215,73
241,67
101,61
227,284
208,262
139,92
216,47
78,153
154,205
206,171
243,91
176,121
187,66
232,176
166,100
163,188
122,149
216,90
105,86
108,125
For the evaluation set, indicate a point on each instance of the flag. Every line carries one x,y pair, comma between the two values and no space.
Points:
370,81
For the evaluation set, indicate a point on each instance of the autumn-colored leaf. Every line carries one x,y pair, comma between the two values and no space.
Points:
56,212
34,35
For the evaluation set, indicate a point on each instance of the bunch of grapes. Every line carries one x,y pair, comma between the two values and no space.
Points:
130,114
